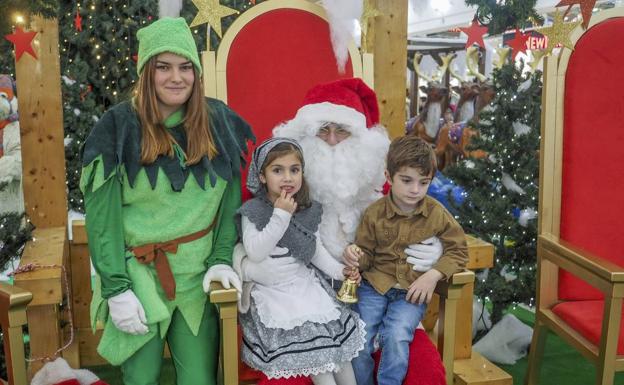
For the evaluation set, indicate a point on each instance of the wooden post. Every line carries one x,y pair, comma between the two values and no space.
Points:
41,123
226,300
387,40
43,174
80,268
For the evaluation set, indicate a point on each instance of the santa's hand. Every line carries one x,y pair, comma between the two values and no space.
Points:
270,271
422,256
224,274
127,313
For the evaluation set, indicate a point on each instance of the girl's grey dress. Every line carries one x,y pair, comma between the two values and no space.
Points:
328,338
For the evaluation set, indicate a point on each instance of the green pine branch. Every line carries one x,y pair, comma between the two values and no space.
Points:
501,16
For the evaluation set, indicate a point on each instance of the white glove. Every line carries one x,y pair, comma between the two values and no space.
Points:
127,313
225,275
423,255
270,271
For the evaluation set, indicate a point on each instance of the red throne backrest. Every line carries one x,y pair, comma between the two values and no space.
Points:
271,64
592,198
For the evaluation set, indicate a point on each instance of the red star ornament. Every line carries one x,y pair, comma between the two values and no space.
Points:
22,41
78,22
586,8
475,33
518,43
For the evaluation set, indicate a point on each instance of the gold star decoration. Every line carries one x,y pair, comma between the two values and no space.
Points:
559,32
367,13
211,12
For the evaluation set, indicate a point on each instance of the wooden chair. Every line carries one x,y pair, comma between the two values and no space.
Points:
580,262
269,57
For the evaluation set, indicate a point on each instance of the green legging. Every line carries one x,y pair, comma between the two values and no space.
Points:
194,357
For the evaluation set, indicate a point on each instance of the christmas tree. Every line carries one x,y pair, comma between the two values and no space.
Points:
502,188
98,69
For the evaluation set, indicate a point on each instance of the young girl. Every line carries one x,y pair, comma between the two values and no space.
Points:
295,327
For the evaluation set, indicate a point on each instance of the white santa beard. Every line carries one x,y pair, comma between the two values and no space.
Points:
345,179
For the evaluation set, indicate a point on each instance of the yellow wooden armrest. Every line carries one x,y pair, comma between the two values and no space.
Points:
13,298
13,301
457,281
480,253
220,295
579,262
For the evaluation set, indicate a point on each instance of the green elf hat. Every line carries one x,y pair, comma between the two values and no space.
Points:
167,35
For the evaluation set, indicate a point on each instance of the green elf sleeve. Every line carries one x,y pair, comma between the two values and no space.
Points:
225,235
105,228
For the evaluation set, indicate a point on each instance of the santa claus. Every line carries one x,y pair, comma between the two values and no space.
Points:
344,149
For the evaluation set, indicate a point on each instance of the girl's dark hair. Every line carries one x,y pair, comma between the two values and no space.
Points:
302,197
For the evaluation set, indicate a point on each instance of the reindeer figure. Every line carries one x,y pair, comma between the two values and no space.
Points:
474,96
427,124
468,92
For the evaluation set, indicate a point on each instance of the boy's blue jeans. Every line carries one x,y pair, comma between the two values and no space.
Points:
396,320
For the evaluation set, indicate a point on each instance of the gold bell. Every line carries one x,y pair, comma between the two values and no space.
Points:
348,291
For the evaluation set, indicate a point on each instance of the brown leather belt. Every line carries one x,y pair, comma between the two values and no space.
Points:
155,252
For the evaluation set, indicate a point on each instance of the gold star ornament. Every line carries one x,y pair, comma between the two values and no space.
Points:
211,12
559,32
368,12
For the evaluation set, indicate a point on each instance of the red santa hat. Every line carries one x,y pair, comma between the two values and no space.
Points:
348,102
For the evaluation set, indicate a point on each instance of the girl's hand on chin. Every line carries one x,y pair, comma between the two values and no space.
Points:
285,202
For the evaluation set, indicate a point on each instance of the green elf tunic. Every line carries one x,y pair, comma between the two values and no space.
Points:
129,204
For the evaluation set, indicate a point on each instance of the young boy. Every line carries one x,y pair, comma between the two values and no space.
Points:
394,291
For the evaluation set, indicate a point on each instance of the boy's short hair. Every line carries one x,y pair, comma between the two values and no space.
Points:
411,151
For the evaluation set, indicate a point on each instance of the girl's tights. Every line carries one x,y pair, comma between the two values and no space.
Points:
344,376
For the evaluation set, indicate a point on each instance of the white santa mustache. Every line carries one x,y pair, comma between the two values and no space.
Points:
347,170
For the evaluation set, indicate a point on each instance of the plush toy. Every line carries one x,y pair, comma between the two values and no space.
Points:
8,104
58,372
10,150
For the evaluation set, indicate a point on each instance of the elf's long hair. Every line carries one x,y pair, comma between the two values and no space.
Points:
156,139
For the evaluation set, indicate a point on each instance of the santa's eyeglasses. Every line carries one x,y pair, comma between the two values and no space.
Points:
338,130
